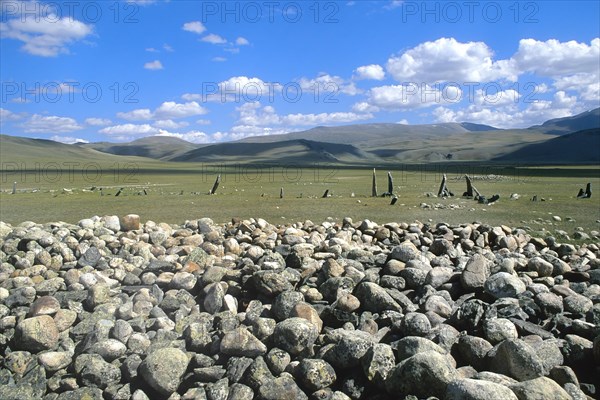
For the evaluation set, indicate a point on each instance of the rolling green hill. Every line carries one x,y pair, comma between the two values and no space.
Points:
360,144
157,147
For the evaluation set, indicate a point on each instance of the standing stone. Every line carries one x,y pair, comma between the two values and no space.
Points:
216,185
588,190
326,194
14,191
163,369
390,184
374,185
394,200
281,193
443,191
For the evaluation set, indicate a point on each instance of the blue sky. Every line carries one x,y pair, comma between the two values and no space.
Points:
217,71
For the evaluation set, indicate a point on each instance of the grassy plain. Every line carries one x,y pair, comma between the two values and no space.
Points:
178,191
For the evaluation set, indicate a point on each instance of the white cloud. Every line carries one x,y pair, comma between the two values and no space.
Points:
98,121
169,124
43,32
68,139
394,4
151,50
253,114
7,115
219,59
214,39
130,130
50,124
411,96
510,116
191,96
141,114
171,109
167,110
364,107
203,122
495,97
242,41
168,48
554,59
324,118
372,71
447,60
587,85
192,136
153,65
194,26
328,85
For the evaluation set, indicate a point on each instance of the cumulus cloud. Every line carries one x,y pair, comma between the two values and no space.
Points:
141,114
253,114
448,60
68,139
130,130
242,41
98,121
328,85
7,115
167,110
169,124
43,32
171,109
194,26
411,96
372,71
153,65
192,136
510,116
50,124
553,58
213,38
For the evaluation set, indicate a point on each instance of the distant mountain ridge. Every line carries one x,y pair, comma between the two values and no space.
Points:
563,140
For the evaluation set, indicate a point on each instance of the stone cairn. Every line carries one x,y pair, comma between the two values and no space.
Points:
113,308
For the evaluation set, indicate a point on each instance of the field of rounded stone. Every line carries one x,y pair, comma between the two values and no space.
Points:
117,308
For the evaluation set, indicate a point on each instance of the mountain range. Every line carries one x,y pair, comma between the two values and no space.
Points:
571,140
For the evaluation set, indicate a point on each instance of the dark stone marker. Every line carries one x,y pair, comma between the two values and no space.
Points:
444,192
374,185
390,184
281,193
588,190
119,192
216,185
469,192
145,192
580,194
534,198
326,194
394,200
494,198
14,191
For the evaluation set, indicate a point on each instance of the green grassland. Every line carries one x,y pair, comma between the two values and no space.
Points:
179,191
